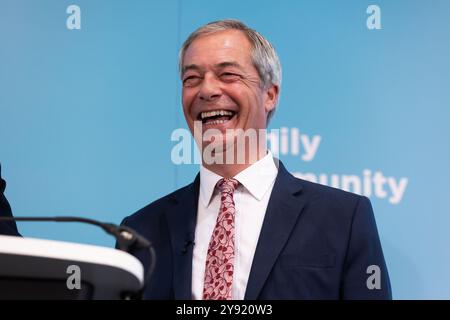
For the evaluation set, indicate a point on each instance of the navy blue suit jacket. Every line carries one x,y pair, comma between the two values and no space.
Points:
8,228
316,242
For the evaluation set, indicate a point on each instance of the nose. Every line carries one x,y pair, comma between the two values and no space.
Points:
210,88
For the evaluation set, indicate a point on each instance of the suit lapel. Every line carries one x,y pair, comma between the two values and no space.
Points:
282,212
181,219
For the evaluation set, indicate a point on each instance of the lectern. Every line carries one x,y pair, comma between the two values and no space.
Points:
45,269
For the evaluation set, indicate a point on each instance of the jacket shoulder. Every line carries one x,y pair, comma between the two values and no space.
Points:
325,192
325,200
316,192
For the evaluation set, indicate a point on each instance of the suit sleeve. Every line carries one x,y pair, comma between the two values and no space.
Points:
365,272
8,228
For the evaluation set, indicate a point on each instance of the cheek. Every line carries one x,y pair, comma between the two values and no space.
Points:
187,99
251,102
238,94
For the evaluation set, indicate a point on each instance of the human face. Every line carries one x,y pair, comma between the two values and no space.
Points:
218,75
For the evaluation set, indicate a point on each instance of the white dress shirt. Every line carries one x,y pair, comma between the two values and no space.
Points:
251,198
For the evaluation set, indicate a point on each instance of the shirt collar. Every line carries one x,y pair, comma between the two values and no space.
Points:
257,179
208,181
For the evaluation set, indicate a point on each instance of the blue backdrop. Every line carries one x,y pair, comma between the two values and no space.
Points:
89,97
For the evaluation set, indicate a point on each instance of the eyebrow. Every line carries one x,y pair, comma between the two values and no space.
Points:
190,67
228,64
218,66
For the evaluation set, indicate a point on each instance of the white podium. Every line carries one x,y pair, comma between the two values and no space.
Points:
45,269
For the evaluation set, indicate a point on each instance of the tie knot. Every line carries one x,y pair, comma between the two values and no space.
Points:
227,185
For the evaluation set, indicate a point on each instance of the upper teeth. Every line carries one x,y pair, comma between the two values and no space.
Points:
216,113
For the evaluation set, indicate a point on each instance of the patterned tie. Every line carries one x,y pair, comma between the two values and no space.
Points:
220,258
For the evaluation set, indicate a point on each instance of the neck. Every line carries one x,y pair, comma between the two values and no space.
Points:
231,170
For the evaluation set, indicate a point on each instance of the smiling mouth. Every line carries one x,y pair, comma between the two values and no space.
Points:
216,116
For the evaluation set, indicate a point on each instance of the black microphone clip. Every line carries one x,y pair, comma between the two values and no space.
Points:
127,239
188,243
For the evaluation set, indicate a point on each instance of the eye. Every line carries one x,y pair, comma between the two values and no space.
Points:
229,76
191,81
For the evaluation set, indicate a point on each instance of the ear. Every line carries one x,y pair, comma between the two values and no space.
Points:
271,98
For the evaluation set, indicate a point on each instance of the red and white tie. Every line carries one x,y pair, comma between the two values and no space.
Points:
220,259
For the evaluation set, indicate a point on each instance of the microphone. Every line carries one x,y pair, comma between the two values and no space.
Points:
127,238
189,242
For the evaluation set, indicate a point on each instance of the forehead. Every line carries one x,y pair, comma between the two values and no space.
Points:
219,47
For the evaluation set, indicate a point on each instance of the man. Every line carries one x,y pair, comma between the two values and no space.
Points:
7,228
249,229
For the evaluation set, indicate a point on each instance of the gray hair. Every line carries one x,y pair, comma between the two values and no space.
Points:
264,57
